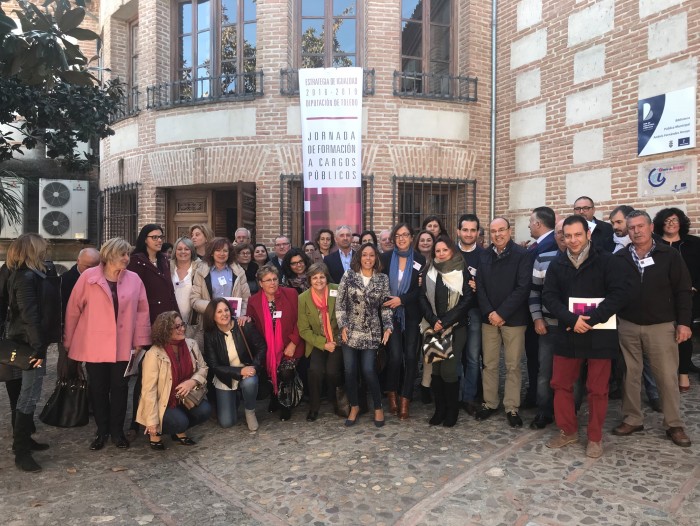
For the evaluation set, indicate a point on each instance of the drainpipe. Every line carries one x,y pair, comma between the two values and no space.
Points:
492,174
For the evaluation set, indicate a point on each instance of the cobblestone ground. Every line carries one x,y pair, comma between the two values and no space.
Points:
318,473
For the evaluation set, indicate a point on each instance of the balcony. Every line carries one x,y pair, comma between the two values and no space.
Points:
128,106
227,87
435,86
289,82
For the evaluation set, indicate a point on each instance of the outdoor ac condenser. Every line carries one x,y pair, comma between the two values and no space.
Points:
63,209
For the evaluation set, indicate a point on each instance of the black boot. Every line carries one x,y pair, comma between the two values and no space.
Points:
438,388
21,444
451,403
33,444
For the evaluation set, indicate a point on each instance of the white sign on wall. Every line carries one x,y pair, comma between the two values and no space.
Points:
666,123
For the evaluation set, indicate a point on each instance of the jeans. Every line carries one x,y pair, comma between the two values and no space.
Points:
545,395
403,350
649,383
32,380
367,357
227,401
472,357
179,419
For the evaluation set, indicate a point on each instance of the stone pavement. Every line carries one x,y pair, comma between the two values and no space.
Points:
407,473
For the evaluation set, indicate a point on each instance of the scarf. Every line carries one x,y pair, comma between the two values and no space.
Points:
321,303
273,338
180,366
301,283
452,275
577,261
399,288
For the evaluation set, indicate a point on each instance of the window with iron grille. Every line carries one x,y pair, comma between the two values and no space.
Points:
292,207
417,197
119,210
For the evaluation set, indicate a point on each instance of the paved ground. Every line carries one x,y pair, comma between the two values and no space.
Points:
323,473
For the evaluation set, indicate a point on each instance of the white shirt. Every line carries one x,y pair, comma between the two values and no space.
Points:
183,287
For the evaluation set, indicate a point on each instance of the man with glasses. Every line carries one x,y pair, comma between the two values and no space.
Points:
338,262
503,286
601,232
282,246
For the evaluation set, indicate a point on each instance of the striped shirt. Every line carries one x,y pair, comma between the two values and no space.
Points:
539,270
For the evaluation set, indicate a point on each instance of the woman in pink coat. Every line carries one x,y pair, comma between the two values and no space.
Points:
106,317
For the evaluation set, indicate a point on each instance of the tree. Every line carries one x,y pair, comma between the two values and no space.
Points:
48,94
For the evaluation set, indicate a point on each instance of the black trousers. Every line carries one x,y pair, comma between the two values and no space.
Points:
109,394
328,365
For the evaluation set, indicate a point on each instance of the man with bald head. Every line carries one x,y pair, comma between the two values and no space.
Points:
503,285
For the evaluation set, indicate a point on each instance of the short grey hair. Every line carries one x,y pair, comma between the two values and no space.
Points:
242,229
638,213
188,243
343,227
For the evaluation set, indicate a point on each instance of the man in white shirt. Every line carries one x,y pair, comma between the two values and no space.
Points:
619,224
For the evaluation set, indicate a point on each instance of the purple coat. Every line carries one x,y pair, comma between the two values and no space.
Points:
92,334
158,282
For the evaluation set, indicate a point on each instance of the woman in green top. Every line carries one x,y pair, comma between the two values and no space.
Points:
319,329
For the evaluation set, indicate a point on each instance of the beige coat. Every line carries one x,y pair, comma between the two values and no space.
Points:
157,382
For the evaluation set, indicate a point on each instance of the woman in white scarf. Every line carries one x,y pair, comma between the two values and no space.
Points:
446,299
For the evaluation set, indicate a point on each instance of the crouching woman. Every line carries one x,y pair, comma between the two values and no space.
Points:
172,368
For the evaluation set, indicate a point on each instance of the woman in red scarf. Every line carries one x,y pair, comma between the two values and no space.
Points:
318,327
274,311
171,368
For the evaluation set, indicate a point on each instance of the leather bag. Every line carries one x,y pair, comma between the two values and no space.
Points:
68,404
16,354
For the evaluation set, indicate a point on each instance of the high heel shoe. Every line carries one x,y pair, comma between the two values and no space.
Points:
351,422
156,445
184,441
378,423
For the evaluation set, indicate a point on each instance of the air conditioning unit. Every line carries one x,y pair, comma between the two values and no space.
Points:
63,209
16,188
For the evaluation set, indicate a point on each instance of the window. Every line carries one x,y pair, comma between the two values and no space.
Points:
216,47
119,211
418,197
134,54
323,48
426,45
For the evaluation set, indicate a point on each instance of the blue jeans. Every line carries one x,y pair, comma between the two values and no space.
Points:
32,381
403,350
367,357
227,401
179,419
545,394
472,357
649,382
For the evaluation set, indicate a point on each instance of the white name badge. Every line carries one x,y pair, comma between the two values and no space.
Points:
333,293
416,266
646,262
277,314
222,281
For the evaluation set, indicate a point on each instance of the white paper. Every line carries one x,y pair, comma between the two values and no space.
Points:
581,306
133,366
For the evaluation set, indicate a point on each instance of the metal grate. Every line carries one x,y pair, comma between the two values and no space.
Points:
289,82
128,106
417,197
292,206
229,86
119,211
434,86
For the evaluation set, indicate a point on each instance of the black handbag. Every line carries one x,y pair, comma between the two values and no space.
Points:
381,358
16,354
68,404
291,388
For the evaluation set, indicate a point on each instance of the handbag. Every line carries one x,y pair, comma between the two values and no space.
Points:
343,403
437,345
291,388
381,358
196,395
16,354
68,404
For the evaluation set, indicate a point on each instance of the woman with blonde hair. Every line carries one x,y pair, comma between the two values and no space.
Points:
107,316
183,266
201,235
172,368
27,317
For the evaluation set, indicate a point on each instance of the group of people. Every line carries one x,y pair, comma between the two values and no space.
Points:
222,324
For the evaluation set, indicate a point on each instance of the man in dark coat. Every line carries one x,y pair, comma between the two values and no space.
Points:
583,288
338,262
602,232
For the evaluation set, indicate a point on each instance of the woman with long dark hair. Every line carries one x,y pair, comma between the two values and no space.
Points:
672,225
434,225
294,265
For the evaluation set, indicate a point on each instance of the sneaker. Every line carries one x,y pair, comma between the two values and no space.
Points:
561,440
483,413
594,449
514,419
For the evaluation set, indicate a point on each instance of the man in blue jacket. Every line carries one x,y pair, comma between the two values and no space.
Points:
503,286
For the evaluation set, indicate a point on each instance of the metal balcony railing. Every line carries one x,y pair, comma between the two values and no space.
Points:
128,106
289,82
235,86
435,86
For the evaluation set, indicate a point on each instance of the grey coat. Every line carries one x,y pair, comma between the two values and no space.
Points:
357,309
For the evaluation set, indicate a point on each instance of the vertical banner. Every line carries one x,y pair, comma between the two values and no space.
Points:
331,129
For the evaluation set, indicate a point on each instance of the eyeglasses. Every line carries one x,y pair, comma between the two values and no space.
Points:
583,208
269,280
296,263
671,221
157,238
180,326
402,236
